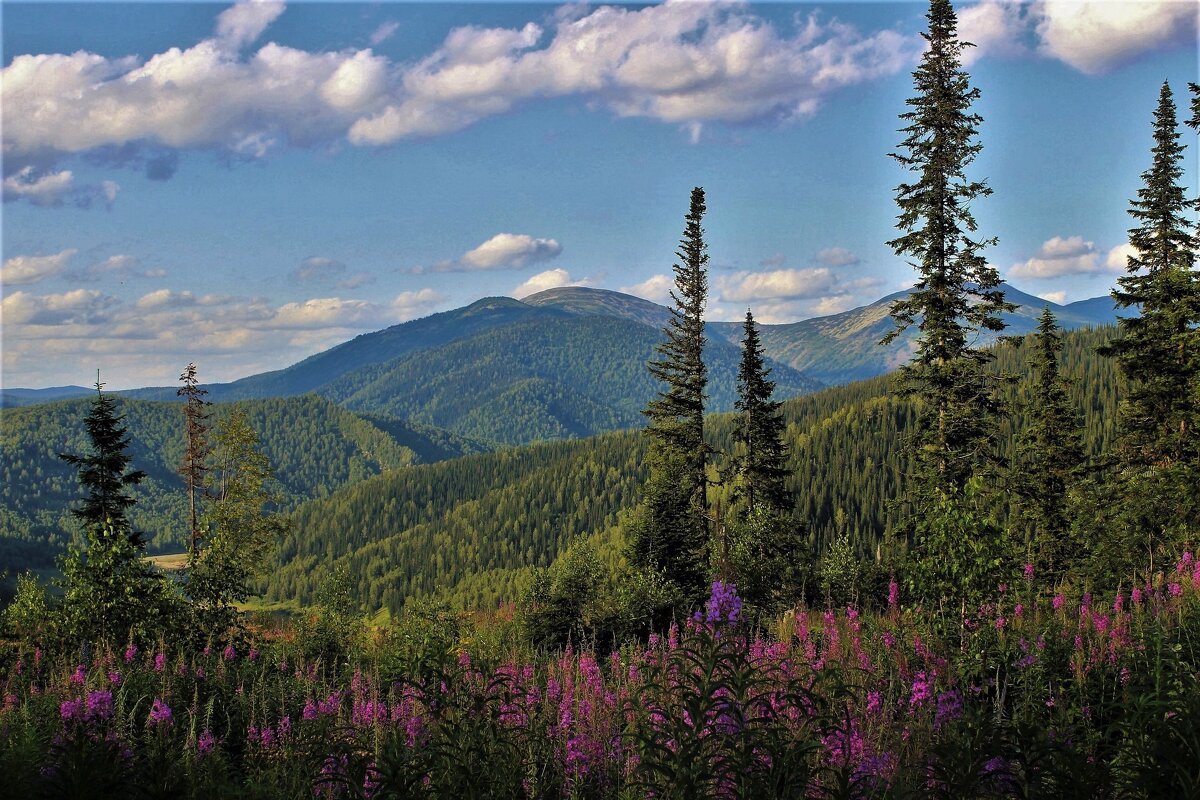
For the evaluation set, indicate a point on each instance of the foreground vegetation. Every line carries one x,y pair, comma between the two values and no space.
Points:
1045,693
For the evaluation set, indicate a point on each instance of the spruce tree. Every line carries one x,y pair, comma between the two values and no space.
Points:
194,467
958,293
1159,353
104,472
959,551
762,466
670,532
1049,456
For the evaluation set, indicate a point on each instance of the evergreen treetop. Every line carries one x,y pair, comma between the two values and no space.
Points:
763,464
958,293
104,473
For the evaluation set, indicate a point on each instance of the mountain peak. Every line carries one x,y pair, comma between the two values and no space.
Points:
586,301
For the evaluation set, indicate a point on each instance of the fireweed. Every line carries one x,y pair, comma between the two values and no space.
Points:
1071,696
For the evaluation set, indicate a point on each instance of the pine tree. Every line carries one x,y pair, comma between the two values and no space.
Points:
1049,456
958,293
1159,351
763,464
104,473
670,532
194,467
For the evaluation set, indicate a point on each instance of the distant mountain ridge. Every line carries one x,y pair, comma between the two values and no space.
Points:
555,365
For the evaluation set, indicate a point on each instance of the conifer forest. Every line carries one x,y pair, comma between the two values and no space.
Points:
589,546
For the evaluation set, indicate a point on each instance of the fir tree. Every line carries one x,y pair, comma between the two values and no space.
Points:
670,533
1049,456
957,297
194,468
763,464
104,473
1159,351
958,294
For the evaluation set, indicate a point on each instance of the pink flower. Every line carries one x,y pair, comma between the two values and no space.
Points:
1028,571
205,742
229,653
1175,589
79,677
1058,601
160,715
160,662
131,652
893,594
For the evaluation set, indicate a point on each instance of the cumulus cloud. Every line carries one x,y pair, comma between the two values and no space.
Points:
785,295
1096,36
1092,36
550,279
56,188
1054,297
241,24
1117,259
24,270
680,63
46,335
118,267
1060,256
837,257
776,284
656,288
505,251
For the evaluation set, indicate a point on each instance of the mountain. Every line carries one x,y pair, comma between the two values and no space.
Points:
845,347
368,349
585,301
13,398
314,446
473,529
559,377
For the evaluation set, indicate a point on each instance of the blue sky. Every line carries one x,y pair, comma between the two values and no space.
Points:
241,186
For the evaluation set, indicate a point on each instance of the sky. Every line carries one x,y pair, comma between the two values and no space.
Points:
241,186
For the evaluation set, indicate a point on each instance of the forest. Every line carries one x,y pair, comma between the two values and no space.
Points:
976,577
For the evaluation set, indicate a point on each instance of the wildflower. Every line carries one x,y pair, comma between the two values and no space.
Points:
1028,571
724,603
100,706
71,710
1175,589
131,653
79,677
1018,610
205,743
1136,596
893,593
922,684
252,655
1058,601
949,708
114,677
160,661
1000,623
229,653
310,711
160,715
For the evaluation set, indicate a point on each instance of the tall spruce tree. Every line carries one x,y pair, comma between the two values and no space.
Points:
1159,353
194,467
1049,456
959,551
669,533
762,466
958,293
104,473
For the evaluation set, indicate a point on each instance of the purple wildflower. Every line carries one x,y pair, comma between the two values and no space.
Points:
160,715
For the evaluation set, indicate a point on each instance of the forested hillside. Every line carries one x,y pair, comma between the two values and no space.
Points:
315,446
493,516
555,378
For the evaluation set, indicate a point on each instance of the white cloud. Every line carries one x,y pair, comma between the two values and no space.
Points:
656,288
384,32
1118,257
506,251
995,27
46,337
241,24
837,257
1054,297
1057,257
118,267
680,63
550,279
41,190
24,270
1094,36
776,284
354,281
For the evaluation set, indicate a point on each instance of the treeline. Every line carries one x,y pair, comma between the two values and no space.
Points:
431,528
315,447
